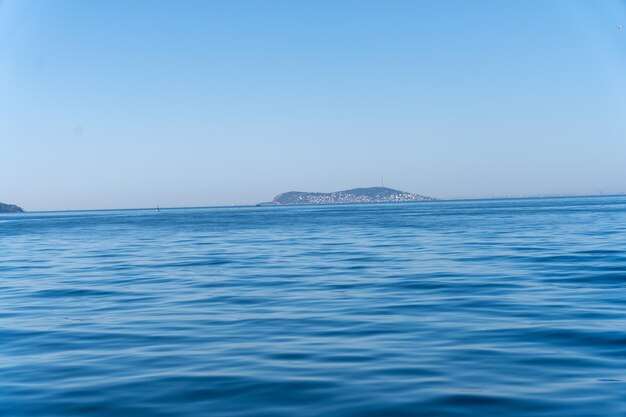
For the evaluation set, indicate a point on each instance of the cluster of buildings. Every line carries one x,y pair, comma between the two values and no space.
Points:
343,198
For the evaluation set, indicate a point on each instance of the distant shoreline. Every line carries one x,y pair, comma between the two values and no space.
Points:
440,200
352,196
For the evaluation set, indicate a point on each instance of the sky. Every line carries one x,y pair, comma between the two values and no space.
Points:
118,104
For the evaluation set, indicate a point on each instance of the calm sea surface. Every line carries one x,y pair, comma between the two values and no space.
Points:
474,308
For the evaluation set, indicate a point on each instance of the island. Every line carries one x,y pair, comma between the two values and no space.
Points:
10,208
356,195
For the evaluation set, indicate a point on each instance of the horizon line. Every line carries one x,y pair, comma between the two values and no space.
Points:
434,200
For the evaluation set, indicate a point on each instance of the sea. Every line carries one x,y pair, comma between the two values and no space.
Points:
510,307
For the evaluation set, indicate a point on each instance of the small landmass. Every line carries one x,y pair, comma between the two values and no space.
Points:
356,195
10,208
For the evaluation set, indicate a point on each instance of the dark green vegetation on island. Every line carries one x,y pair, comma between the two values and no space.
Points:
355,195
10,208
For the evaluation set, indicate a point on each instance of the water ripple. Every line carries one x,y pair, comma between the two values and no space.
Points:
474,308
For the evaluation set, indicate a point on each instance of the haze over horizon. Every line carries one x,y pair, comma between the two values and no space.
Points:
110,104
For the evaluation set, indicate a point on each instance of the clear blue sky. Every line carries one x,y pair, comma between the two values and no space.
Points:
108,104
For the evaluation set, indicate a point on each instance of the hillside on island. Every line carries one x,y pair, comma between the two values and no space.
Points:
10,208
356,195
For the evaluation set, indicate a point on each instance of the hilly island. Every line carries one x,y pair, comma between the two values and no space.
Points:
355,195
10,208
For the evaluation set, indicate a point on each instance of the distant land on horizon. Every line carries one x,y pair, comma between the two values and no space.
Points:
10,208
355,195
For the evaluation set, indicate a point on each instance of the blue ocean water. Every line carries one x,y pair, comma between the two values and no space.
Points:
468,308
